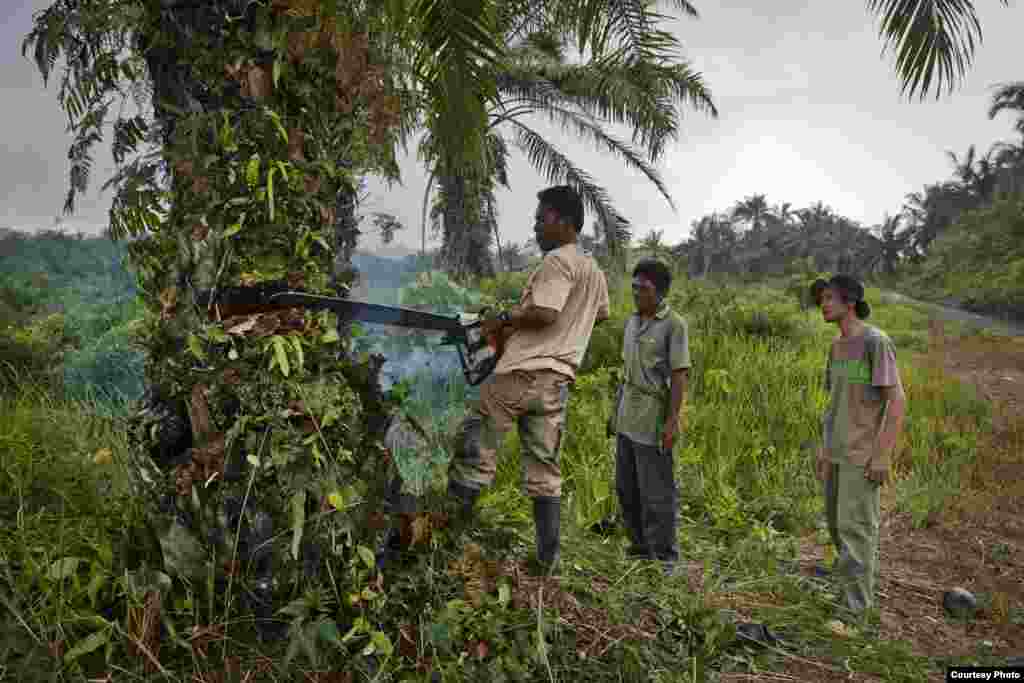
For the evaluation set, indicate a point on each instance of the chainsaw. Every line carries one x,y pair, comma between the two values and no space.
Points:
478,353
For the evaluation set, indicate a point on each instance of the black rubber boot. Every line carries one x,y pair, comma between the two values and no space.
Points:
463,499
547,518
396,503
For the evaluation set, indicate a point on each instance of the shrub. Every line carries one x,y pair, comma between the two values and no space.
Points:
504,289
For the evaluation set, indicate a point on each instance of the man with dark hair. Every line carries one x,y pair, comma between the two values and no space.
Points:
545,338
860,428
645,417
566,202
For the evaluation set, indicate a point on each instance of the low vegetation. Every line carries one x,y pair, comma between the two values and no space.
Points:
457,605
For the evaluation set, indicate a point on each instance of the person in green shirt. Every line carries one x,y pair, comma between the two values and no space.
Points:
646,416
860,428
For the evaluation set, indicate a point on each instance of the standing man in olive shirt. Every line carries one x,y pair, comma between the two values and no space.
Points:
860,428
645,418
545,336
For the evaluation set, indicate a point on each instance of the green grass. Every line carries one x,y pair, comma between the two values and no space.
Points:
748,493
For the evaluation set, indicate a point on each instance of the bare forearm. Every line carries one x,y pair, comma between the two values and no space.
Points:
892,426
676,399
531,317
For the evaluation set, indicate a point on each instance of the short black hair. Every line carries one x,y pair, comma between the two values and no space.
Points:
566,201
850,290
657,272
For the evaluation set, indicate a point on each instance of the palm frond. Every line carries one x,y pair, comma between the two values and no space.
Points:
457,50
934,40
640,95
556,167
586,128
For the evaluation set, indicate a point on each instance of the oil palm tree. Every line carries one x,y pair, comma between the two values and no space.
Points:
884,249
633,86
754,211
1009,97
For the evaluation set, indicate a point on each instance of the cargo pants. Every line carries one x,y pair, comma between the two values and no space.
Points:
852,505
534,402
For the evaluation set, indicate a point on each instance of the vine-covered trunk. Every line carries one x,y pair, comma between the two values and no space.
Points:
257,451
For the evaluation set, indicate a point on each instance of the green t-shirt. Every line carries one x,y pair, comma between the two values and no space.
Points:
651,350
857,369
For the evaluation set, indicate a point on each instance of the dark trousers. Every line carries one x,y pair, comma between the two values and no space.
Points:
646,485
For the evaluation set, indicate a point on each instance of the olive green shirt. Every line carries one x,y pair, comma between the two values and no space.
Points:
651,350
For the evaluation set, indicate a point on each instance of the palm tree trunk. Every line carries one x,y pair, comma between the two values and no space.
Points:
497,237
426,200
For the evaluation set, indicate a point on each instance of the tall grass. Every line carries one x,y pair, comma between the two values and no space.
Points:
744,466
753,412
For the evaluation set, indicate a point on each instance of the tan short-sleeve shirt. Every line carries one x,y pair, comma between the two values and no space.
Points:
570,282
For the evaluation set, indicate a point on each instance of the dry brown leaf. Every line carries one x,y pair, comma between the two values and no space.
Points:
327,214
266,325
296,280
420,530
407,642
144,631
481,649
168,301
184,475
312,184
199,414
199,232
258,82
245,325
202,636
296,138
57,648
200,185
184,167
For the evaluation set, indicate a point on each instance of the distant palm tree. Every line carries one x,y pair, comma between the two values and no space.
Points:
613,233
885,248
712,239
976,175
1009,97
753,210
655,246
930,212
1008,160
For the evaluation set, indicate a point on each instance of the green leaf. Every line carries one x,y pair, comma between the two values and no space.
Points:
281,354
298,521
270,191
504,594
217,335
366,555
95,586
330,336
196,347
329,633
276,118
277,71
297,345
296,609
63,568
252,170
90,643
233,229
382,643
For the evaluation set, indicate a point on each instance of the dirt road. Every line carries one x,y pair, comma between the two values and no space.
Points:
959,314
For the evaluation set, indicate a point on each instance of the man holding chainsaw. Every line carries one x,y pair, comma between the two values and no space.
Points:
544,339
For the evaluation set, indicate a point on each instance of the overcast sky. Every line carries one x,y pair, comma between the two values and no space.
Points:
809,110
